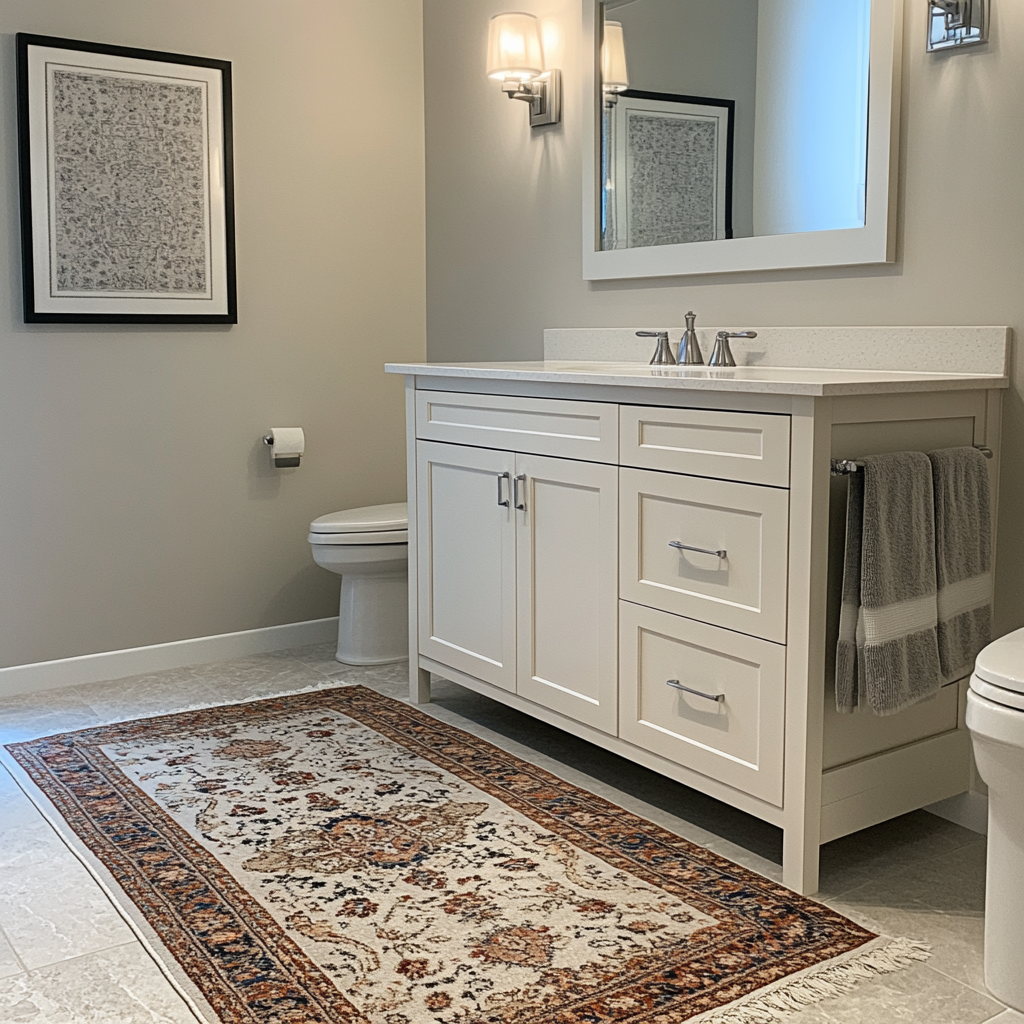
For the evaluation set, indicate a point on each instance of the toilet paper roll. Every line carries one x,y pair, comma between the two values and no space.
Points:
286,445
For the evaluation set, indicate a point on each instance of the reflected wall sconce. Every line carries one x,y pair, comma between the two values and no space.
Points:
614,76
515,57
954,23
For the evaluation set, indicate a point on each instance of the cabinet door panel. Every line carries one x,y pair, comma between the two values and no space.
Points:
466,560
567,583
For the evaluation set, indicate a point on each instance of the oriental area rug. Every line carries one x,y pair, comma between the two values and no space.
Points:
339,857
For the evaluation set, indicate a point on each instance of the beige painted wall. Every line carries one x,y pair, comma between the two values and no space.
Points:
504,220
136,501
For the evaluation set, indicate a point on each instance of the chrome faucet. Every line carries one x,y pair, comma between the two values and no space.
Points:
663,352
689,348
722,355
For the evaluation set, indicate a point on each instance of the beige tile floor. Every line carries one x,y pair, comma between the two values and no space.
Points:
67,956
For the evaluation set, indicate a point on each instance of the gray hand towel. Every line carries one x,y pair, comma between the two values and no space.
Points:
963,557
896,642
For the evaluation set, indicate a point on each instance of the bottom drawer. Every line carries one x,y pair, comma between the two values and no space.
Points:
734,732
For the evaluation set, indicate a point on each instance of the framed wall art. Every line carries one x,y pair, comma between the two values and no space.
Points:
126,184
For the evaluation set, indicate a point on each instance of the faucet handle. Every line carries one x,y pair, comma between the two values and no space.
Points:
663,352
722,353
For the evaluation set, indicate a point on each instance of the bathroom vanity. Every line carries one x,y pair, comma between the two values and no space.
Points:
649,558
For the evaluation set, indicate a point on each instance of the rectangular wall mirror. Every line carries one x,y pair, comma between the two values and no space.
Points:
732,135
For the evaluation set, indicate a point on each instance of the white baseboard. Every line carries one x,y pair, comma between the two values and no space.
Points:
95,668
967,809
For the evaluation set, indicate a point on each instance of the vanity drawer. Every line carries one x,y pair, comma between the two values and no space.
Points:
538,426
744,588
750,447
736,738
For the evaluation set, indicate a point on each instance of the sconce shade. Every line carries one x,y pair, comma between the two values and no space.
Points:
614,77
513,47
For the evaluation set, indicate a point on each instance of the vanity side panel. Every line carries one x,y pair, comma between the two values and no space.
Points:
871,426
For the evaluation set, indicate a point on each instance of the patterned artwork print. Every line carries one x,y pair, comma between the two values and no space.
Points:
672,164
129,202
342,857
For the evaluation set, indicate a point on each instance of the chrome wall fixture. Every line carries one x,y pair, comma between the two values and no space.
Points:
515,57
953,23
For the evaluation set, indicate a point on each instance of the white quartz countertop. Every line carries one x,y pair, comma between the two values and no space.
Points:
765,380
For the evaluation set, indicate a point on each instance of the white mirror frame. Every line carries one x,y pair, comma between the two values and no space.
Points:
873,243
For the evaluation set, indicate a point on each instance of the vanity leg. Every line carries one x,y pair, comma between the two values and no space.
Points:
800,855
419,685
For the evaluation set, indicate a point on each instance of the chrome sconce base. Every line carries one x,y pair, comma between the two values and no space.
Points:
956,23
544,94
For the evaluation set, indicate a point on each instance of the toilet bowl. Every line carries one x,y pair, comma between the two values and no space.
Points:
369,549
995,718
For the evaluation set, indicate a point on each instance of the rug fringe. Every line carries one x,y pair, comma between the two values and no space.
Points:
816,984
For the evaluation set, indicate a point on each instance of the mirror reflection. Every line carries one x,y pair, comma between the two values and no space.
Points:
731,118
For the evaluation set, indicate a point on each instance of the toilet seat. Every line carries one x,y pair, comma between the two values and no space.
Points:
999,671
375,524
385,537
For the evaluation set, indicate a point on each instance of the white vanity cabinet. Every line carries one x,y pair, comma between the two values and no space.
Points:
653,564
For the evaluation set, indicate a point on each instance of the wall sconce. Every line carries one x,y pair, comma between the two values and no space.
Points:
614,76
953,23
516,58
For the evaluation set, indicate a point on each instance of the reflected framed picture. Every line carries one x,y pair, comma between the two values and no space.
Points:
127,206
669,169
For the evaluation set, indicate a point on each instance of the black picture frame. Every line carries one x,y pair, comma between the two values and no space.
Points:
127,184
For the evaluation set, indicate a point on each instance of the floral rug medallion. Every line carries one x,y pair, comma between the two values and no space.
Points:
341,857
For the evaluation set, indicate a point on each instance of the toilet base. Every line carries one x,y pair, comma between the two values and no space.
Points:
373,619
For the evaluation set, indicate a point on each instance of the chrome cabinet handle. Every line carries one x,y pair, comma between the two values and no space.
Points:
718,698
502,493
519,502
688,547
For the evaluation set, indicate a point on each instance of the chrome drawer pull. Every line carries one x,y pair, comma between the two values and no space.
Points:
502,493
718,698
680,546
519,502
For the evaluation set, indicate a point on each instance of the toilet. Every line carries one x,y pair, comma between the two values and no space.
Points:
995,718
369,549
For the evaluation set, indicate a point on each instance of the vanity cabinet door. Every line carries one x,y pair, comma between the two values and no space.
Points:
567,555
466,560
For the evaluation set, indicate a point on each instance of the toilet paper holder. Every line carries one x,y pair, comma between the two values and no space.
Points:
282,460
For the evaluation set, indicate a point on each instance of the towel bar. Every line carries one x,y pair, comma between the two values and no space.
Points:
844,467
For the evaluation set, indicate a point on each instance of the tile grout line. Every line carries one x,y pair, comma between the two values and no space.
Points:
17,956
981,991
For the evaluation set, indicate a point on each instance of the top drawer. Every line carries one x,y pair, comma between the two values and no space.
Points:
749,447
540,426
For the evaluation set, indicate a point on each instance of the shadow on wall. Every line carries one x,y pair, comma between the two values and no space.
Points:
312,590
264,478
